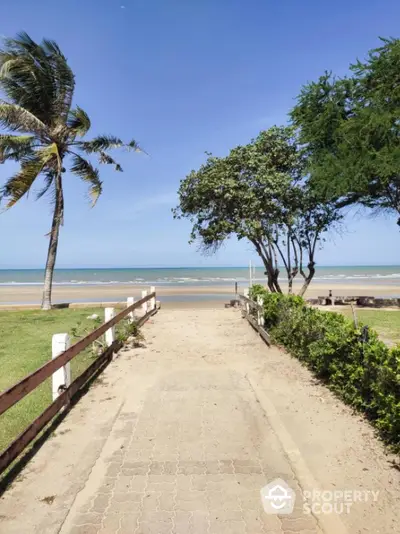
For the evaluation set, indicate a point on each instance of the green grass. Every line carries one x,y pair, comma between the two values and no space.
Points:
386,323
25,345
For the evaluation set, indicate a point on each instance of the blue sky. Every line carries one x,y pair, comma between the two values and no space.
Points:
182,77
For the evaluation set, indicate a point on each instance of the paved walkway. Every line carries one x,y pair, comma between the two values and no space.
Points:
180,436
198,451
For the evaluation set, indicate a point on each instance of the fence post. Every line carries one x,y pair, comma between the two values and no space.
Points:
246,293
131,315
61,378
153,300
260,313
144,305
109,313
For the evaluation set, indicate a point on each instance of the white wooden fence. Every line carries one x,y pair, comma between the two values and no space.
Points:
61,379
254,313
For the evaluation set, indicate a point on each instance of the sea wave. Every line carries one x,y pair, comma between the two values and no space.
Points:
357,276
339,277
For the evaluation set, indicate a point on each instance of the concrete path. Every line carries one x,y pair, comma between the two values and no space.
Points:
180,437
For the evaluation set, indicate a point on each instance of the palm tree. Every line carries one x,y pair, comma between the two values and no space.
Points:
42,132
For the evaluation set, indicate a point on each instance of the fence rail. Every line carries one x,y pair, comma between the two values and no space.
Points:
253,312
22,388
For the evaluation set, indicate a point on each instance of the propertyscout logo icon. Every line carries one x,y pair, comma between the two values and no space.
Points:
278,498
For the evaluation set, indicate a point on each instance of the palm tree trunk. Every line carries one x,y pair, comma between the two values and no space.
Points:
53,244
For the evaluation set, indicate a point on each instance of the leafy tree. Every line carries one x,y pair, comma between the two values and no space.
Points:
42,131
258,193
351,130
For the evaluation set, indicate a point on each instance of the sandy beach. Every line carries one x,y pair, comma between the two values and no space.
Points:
176,295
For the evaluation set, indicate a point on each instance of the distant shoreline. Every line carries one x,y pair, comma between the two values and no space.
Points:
191,277
211,284
345,266
193,284
185,293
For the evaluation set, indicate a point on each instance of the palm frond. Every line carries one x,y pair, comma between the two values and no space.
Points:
85,170
133,145
14,147
26,76
18,119
23,88
63,76
78,121
22,42
107,142
8,62
52,48
48,182
50,154
106,158
19,184
100,143
37,77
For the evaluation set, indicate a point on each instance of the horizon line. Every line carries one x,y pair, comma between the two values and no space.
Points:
187,267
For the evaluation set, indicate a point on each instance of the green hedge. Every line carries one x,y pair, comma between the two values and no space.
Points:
355,364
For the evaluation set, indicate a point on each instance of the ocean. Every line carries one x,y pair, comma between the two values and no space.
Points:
194,276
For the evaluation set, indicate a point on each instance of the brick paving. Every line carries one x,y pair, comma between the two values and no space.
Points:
193,457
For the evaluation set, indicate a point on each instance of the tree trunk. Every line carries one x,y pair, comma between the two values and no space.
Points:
53,244
277,286
290,284
291,276
308,278
271,271
269,282
272,277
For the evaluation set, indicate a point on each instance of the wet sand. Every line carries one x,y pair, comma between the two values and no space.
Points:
177,295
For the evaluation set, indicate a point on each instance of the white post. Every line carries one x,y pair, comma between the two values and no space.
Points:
246,293
153,300
109,313
144,305
250,275
61,378
260,313
131,315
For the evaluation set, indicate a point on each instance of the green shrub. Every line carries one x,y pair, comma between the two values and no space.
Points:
355,364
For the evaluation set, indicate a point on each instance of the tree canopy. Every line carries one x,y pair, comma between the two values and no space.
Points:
258,192
350,128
